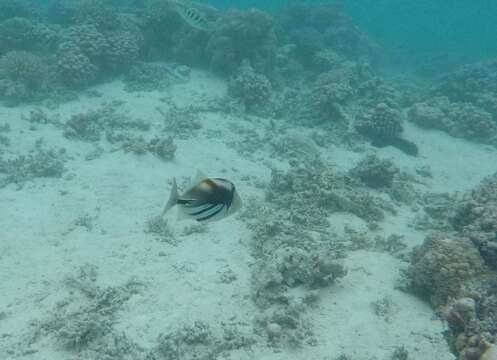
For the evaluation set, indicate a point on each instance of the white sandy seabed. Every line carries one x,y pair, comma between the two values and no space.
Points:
123,191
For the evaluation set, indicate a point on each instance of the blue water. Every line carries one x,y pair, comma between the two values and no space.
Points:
415,31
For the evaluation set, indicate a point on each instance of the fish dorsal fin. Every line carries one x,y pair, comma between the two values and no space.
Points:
199,177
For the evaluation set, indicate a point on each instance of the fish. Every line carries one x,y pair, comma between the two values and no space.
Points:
192,16
206,200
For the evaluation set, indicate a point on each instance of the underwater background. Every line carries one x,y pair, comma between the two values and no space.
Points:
230,180
417,30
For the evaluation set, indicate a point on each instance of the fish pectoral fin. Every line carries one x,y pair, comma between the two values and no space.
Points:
182,215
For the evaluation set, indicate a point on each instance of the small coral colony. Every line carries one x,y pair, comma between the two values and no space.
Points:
306,67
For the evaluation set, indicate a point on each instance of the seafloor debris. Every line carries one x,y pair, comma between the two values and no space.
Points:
107,119
159,227
181,123
375,172
164,148
83,324
198,340
41,162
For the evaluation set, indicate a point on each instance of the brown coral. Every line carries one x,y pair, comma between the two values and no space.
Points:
443,267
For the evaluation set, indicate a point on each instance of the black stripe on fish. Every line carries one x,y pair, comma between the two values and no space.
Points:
186,202
229,187
204,209
213,210
210,216
195,16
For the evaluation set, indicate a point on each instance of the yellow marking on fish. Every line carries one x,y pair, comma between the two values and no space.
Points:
207,184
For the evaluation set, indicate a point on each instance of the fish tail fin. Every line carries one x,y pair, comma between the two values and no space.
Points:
173,198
